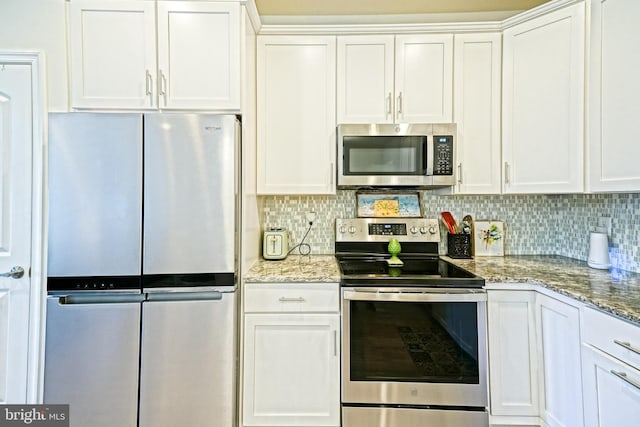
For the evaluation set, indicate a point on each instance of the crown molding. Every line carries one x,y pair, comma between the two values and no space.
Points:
404,24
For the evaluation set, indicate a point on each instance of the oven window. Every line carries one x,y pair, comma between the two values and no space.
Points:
418,342
384,155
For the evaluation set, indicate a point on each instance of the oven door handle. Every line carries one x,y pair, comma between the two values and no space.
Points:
414,295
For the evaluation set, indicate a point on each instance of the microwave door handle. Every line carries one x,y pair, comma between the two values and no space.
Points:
428,157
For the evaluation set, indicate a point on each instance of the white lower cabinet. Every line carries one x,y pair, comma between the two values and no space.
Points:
558,333
291,355
513,359
611,370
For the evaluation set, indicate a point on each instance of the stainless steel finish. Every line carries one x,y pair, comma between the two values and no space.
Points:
15,273
628,346
415,294
507,173
92,356
409,417
148,83
95,188
289,299
162,86
188,363
357,229
623,376
190,187
414,393
403,129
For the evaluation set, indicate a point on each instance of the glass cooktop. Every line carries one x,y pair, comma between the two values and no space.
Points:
375,271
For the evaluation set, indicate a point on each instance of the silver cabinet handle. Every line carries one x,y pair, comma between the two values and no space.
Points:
628,346
15,273
389,104
507,172
623,376
335,342
459,173
149,83
162,86
288,299
399,104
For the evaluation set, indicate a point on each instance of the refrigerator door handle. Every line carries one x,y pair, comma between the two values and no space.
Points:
184,296
100,299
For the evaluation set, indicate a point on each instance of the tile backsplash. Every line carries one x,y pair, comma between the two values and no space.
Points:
534,224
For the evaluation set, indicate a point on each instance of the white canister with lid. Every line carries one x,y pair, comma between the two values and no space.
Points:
598,250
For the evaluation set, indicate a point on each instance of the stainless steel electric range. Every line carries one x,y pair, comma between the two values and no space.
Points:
413,337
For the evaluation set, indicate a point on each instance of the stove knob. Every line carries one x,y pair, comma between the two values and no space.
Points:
343,229
414,230
432,230
352,229
423,230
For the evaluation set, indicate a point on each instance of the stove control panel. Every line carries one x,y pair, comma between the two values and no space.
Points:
383,229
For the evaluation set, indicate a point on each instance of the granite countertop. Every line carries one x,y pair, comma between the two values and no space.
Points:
295,269
613,291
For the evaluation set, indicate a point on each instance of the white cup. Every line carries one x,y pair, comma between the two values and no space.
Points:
598,251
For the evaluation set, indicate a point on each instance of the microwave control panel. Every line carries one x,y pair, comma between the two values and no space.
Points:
443,155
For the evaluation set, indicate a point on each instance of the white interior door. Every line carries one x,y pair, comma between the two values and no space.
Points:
16,136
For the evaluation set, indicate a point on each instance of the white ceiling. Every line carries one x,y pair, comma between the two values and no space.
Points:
387,7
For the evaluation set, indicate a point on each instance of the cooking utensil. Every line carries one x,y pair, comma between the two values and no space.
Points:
467,223
450,222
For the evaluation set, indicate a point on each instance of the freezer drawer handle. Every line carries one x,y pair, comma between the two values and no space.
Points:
184,296
15,273
287,299
100,299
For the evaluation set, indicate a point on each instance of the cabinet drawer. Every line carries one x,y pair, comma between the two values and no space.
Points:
612,335
291,297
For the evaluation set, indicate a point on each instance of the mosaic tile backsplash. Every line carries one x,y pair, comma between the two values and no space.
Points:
534,224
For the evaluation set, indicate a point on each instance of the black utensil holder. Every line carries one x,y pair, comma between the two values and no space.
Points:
459,245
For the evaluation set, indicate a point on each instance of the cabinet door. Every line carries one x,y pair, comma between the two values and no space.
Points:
611,390
296,114
513,381
613,91
543,103
199,55
558,326
424,78
476,80
291,370
365,79
113,53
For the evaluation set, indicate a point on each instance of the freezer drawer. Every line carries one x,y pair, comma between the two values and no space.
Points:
188,361
91,358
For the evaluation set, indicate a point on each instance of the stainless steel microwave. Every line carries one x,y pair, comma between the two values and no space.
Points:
389,155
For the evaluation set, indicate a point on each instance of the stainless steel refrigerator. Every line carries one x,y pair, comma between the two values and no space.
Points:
142,266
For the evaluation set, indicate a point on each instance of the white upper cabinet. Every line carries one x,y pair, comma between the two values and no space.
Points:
296,114
112,50
424,78
543,103
199,54
113,54
476,110
401,79
365,79
614,89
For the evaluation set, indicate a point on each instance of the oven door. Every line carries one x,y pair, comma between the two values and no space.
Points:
414,346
